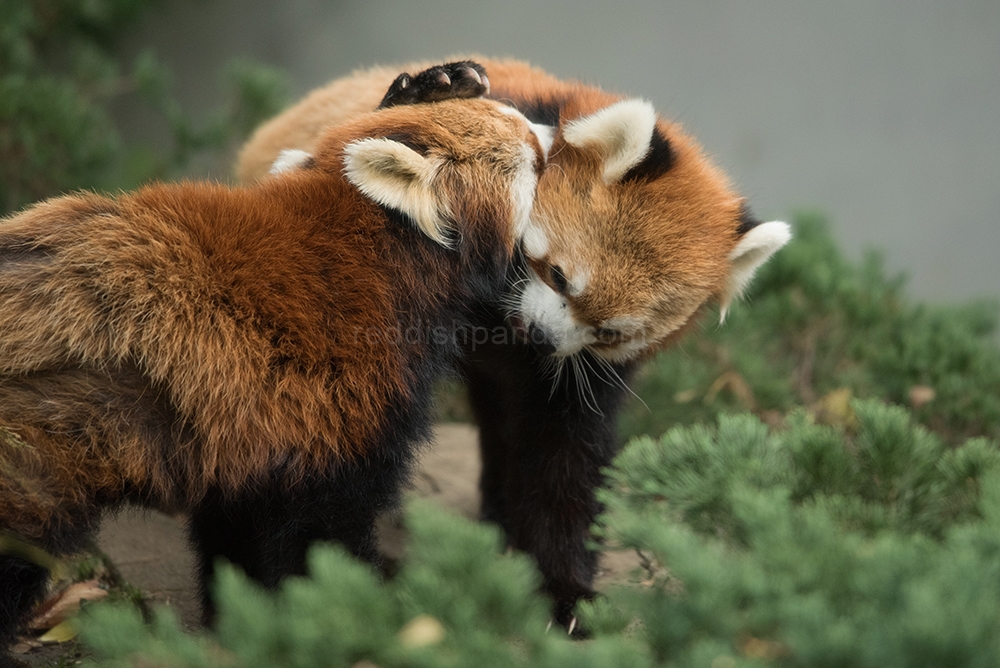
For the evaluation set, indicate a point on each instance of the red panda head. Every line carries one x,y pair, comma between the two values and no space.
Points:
458,170
633,230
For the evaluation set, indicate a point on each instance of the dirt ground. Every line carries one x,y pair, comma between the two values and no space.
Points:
151,552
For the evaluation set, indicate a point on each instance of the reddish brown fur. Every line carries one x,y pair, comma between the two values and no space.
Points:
653,249
194,335
656,250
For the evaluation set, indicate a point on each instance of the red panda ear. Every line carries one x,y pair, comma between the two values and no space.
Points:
752,250
623,133
289,159
396,176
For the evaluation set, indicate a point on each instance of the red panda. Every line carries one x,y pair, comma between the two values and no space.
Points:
633,232
258,357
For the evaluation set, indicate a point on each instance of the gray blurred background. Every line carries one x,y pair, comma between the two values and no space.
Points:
883,114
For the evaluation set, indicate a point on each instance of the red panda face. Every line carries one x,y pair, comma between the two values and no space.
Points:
632,232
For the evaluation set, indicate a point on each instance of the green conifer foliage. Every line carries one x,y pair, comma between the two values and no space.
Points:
870,545
458,601
60,70
814,324
865,544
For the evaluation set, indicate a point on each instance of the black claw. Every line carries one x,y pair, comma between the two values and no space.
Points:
463,79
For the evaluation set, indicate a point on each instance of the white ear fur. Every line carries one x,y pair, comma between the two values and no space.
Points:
622,132
750,253
546,133
398,177
289,159
535,241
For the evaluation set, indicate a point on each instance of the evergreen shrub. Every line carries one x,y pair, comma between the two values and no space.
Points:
866,545
60,72
816,329
870,543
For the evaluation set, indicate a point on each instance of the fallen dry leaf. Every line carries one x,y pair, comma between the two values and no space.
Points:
62,632
65,603
723,661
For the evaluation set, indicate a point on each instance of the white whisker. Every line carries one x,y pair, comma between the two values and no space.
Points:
583,388
616,379
554,366
585,363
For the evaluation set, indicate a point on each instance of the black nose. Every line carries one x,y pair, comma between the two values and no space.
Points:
540,340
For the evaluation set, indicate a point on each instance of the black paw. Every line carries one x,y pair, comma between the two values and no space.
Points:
563,615
443,82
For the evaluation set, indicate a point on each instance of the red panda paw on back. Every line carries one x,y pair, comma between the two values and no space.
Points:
450,81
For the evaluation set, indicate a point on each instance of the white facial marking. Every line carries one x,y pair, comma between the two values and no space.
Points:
625,324
577,284
289,159
523,191
633,339
750,253
511,111
545,308
546,133
622,132
536,242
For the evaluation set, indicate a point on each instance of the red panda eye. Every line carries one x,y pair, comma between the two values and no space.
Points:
559,280
605,335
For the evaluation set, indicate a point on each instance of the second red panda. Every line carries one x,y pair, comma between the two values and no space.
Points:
633,232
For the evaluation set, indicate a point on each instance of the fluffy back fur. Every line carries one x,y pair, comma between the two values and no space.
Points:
194,336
